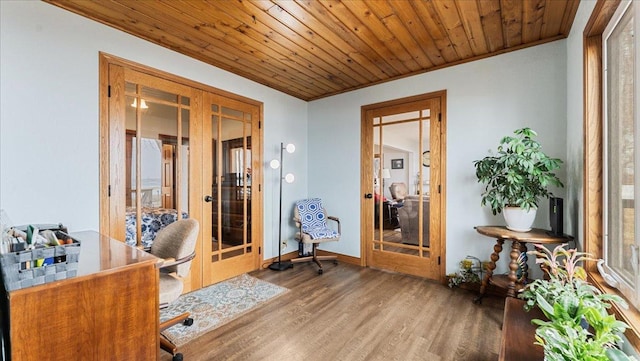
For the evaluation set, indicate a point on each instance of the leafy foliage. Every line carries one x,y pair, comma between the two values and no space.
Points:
579,326
519,174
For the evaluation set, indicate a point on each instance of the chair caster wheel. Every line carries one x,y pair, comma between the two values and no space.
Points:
177,357
320,271
188,321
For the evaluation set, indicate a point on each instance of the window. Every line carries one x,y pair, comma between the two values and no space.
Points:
620,152
593,206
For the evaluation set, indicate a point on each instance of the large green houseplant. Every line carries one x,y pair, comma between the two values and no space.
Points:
518,175
578,325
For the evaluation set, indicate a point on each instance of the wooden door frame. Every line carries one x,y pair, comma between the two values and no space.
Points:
109,221
366,179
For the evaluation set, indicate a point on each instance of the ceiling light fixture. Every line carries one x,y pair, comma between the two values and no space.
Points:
143,104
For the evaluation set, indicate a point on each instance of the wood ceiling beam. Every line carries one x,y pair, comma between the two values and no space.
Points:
512,22
553,18
339,34
532,15
470,16
418,30
449,17
305,27
380,33
232,36
398,31
358,29
290,43
491,18
436,30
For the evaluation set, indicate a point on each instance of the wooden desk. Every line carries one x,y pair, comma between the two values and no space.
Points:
519,244
109,311
518,334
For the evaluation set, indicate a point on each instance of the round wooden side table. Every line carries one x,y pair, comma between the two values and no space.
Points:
519,241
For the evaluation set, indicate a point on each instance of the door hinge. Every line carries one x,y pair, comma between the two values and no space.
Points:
438,260
109,191
439,117
439,188
259,187
109,91
259,250
259,124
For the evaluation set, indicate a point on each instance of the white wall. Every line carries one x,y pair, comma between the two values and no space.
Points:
49,139
487,99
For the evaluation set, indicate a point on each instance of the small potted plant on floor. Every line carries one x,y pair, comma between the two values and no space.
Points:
470,272
516,178
578,325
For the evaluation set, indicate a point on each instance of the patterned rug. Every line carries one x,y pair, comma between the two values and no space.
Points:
216,305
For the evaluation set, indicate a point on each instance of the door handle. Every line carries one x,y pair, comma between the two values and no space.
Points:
208,198
368,195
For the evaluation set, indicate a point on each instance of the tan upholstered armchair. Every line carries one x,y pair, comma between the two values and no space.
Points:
398,191
409,225
175,244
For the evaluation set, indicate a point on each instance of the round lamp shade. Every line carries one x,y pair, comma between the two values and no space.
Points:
289,178
290,148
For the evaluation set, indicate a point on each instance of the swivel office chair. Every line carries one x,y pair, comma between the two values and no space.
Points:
175,244
310,217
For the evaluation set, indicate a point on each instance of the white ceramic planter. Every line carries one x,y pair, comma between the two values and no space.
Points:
519,220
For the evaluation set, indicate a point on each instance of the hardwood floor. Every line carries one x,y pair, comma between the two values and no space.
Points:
354,313
395,237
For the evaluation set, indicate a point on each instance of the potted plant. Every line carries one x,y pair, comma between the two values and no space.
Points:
470,272
578,326
517,177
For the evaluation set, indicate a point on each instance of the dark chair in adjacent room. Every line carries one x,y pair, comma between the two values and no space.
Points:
311,219
176,245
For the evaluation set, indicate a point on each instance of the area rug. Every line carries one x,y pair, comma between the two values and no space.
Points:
216,305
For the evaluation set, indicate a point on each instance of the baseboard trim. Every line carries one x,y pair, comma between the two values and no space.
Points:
288,256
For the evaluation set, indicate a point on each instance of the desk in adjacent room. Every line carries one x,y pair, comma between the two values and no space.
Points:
109,311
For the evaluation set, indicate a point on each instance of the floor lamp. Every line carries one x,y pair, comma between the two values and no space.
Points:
275,164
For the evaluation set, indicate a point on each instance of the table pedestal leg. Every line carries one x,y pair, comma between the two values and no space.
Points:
495,256
525,265
513,267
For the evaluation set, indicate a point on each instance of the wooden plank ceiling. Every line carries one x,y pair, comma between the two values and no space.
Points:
316,48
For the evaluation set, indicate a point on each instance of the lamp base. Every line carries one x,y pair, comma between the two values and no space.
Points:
280,266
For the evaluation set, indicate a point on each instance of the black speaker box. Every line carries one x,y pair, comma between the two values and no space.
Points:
555,215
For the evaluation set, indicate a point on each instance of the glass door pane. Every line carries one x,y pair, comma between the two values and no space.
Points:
157,167
231,220
401,183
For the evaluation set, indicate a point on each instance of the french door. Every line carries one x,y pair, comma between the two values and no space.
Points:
172,150
229,142
403,185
